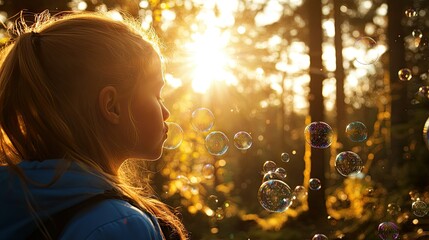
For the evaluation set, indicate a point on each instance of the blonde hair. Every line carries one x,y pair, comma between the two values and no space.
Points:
50,77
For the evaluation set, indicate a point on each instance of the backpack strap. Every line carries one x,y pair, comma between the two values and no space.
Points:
56,223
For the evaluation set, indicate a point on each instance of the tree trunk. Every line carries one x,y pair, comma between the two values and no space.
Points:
316,199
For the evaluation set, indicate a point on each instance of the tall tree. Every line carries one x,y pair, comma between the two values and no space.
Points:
316,199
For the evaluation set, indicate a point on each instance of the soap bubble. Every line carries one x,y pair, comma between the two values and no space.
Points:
182,183
356,131
282,172
300,193
275,196
424,91
319,237
410,12
348,163
318,134
405,74
242,140
202,119
285,157
315,184
271,176
174,136
393,209
219,213
217,143
366,50
269,166
213,202
208,171
426,133
419,208
388,231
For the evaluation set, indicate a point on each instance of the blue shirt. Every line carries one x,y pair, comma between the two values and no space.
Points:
110,219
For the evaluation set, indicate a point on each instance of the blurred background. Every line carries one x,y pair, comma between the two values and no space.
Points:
244,78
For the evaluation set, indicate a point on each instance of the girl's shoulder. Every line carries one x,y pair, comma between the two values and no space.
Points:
112,219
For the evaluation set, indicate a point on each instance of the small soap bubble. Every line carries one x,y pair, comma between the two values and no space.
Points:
315,184
417,33
366,50
208,171
269,166
174,136
213,202
319,237
318,134
419,208
271,176
285,157
217,143
202,120
275,196
410,12
426,133
348,163
393,209
300,193
242,140
183,183
405,74
424,91
219,213
356,131
388,231
281,172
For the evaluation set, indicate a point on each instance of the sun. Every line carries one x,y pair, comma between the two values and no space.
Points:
209,59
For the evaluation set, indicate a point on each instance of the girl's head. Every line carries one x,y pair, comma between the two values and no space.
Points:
82,86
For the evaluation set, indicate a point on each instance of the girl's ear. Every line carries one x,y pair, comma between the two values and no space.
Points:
109,104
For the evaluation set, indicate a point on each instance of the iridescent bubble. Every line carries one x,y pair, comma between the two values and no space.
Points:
417,33
213,202
275,196
410,12
300,193
285,157
315,184
202,120
405,74
242,140
271,176
269,166
208,171
318,134
424,91
388,231
282,172
419,208
393,209
348,163
174,136
183,183
319,237
356,131
426,133
217,143
219,213
366,50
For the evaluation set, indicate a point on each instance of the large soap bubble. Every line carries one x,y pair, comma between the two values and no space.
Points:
202,120
242,140
174,136
318,134
348,163
366,50
319,237
356,131
217,143
419,208
388,231
275,196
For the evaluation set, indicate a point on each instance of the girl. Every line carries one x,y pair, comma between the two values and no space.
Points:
79,94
